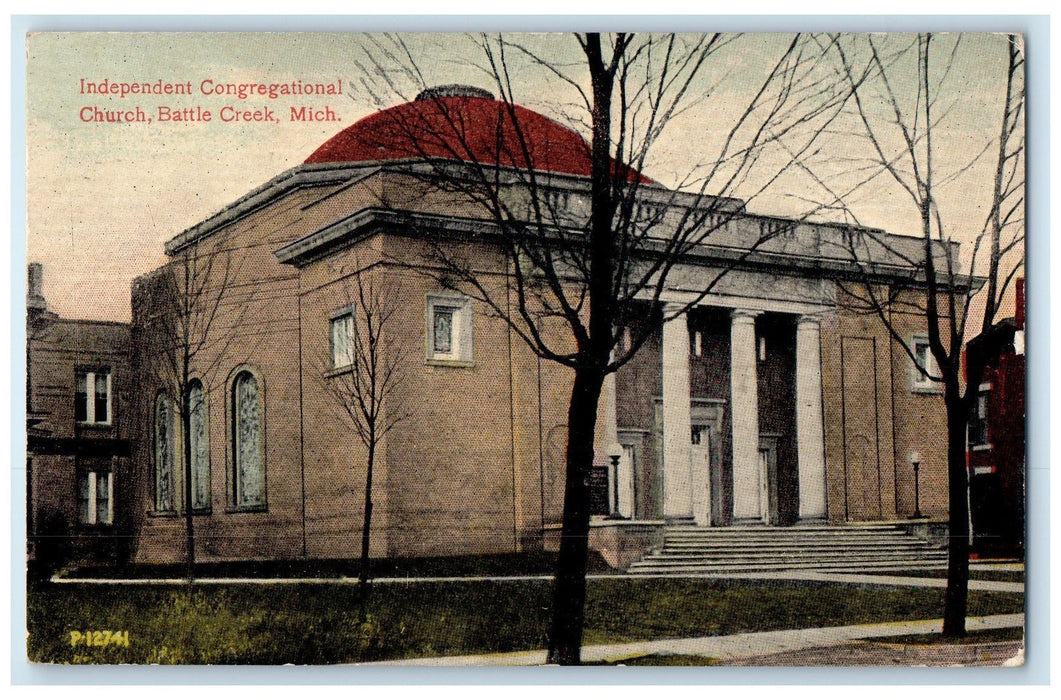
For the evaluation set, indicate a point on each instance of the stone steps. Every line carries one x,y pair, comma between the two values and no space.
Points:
788,556
865,547
757,544
837,566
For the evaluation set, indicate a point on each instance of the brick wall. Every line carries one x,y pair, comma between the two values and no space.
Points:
61,447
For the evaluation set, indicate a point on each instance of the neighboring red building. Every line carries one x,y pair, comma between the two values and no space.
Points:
996,446
77,434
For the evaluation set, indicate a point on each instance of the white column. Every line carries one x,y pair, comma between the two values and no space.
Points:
608,433
810,436
745,402
677,423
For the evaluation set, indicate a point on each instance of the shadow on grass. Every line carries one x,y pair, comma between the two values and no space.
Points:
661,660
522,564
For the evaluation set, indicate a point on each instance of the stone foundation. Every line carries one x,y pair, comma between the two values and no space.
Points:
619,542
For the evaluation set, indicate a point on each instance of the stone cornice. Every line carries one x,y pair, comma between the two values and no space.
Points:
348,230
814,249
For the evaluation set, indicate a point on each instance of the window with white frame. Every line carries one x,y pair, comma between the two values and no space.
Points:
92,399
449,328
343,340
95,491
924,367
979,436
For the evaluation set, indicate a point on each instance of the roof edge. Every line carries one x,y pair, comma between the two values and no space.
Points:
317,174
303,175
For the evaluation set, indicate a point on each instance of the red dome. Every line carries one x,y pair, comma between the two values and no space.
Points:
462,124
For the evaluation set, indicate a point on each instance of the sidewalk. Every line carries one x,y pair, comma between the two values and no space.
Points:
732,647
825,577
884,580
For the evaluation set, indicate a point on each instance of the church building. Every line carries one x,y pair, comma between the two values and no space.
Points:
768,400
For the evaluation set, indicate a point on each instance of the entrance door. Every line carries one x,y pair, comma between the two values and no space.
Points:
701,470
768,479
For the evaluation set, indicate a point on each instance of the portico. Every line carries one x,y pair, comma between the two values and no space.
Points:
691,466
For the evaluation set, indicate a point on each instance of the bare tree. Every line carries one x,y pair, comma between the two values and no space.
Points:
184,331
363,377
583,258
903,92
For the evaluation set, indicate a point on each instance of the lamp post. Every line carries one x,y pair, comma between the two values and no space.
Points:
916,458
615,452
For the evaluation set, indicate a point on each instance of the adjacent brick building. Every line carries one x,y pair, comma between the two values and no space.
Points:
78,425
997,445
771,401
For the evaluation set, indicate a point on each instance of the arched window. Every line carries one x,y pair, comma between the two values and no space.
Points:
247,455
164,454
200,446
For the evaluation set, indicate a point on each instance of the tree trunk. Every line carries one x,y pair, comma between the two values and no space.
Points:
956,599
569,596
362,574
186,448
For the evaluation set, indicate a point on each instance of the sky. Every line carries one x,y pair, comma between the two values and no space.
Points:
103,198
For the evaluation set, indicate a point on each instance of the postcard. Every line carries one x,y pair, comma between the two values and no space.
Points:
525,349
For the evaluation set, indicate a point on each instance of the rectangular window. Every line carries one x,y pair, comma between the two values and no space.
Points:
95,492
103,497
81,399
443,330
86,497
449,329
978,432
342,341
924,367
92,398
102,398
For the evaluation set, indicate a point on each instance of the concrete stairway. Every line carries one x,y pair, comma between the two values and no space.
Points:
879,548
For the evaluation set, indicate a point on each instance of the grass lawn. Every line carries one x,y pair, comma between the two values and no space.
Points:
318,623
997,575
